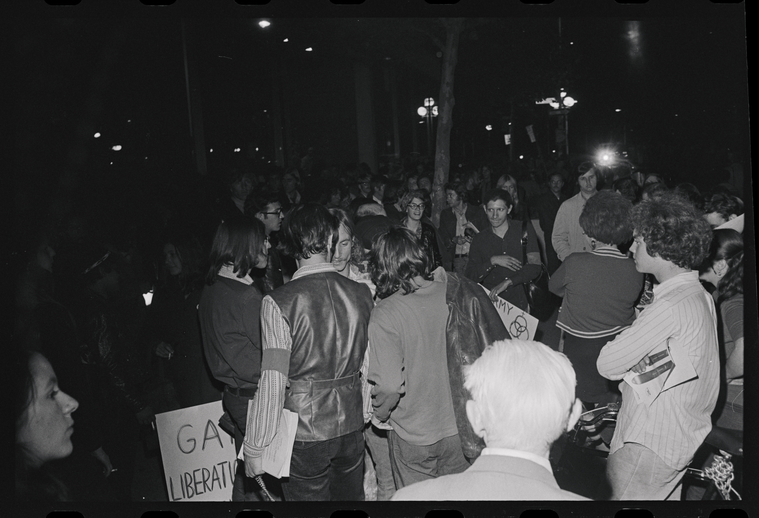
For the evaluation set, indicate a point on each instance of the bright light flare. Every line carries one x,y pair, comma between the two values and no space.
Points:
422,111
489,127
606,157
97,135
117,147
309,49
264,24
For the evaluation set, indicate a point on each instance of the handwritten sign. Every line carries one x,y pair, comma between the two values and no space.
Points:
520,324
198,456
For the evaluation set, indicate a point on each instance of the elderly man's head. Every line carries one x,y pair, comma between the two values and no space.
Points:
523,396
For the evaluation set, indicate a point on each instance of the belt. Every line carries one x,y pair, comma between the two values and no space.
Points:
307,386
460,255
240,392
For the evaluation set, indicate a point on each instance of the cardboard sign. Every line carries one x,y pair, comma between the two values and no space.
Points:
198,456
520,324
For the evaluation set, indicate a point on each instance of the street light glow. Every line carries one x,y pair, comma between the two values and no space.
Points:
617,110
309,49
569,102
422,111
286,40
97,135
264,24
489,127
116,147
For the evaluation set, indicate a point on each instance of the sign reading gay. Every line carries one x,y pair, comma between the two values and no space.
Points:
198,456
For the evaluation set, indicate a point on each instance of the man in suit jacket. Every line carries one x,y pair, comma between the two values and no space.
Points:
522,401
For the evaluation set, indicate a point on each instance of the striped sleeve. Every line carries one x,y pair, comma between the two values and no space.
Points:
651,330
263,417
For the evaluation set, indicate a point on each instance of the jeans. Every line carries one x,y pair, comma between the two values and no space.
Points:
245,489
412,463
637,473
379,449
331,470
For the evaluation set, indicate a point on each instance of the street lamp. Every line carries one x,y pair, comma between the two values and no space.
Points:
428,112
561,108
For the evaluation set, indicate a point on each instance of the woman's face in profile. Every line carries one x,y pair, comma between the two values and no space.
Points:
46,426
171,259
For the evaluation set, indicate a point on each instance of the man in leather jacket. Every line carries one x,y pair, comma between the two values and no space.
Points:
314,341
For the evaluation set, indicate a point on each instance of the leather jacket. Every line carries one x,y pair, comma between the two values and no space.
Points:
473,324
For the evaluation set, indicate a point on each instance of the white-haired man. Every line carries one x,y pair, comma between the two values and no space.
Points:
522,401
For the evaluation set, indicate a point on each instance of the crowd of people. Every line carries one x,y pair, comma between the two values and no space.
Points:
336,296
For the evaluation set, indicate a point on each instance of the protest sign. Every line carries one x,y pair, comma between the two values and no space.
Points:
520,324
198,456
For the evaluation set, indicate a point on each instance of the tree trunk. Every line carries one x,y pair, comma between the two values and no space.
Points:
453,29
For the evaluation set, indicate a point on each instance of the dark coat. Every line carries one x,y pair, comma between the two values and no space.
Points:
473,324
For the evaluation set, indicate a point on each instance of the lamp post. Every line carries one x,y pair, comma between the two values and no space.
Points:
428,112
561,108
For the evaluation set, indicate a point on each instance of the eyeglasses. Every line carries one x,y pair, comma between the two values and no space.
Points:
277,212
416,206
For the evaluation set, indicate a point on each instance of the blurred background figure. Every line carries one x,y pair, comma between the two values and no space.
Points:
459,222
426,234
723,269
172,327
546,206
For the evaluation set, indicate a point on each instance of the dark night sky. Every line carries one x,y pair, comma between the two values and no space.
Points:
684,94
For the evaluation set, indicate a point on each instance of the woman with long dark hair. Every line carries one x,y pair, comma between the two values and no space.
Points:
723,268
229,311
173,323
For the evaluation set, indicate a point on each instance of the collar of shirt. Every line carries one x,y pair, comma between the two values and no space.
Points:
521,454
227,272
675,282
314,268
609,251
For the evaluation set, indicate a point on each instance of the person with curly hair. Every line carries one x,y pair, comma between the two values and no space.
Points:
723,269
600,289
654,443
